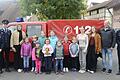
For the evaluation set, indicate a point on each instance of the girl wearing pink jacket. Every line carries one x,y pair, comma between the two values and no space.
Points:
36,56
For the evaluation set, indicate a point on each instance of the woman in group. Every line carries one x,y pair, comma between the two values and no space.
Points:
83,45
94,48
16,42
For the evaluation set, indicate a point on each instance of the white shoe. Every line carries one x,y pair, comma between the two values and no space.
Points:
63,69
92,72
35,70
19,70
82,71
32,69
67,70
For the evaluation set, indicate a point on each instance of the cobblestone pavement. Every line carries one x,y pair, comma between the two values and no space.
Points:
99,75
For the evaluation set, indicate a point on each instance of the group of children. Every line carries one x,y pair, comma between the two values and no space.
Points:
52,54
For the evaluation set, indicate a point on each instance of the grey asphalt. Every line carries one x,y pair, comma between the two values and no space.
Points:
99,75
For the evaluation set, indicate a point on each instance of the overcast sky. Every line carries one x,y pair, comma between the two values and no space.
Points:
89,1
7,0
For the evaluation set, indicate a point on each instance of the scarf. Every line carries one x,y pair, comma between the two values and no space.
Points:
20,35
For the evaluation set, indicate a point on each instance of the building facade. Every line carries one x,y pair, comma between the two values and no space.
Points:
115,4
100,11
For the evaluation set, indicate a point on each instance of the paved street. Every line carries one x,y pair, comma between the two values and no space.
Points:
67,76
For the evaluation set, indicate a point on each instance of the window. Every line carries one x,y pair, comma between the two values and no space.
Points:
101,10
12,28
94,12
34,29
97,11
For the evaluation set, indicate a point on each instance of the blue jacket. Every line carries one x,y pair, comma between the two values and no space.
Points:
41,41
74,49
53,41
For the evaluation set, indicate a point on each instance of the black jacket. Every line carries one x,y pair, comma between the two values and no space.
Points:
108,38
1,39
118,37
5,36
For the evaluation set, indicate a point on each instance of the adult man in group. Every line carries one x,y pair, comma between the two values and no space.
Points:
5,35
108,43
118,49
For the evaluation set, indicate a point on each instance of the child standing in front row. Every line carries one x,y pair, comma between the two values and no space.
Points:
59,57
74,50
47,50
37,57
26,50
34,40
66,44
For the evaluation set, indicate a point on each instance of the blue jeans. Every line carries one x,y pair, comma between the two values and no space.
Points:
59,62
26,61
33,63
107,58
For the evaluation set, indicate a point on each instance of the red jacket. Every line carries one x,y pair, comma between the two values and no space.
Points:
66,48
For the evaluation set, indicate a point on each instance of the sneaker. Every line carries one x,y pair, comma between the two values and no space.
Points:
118,73
74,69
19,70
56,73
32,69
61,73
109,71
7,70
36,73
47,72
1,71
104,69
67,70
35,70
88,70
82,71
92,72
64,69
25,70
40,72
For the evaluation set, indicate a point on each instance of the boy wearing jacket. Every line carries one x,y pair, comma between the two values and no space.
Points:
59,57
74,50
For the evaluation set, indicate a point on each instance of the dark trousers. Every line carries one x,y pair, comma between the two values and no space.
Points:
74,62
118,49
48,63
1,61
6,60
91,59
17,58
66,61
